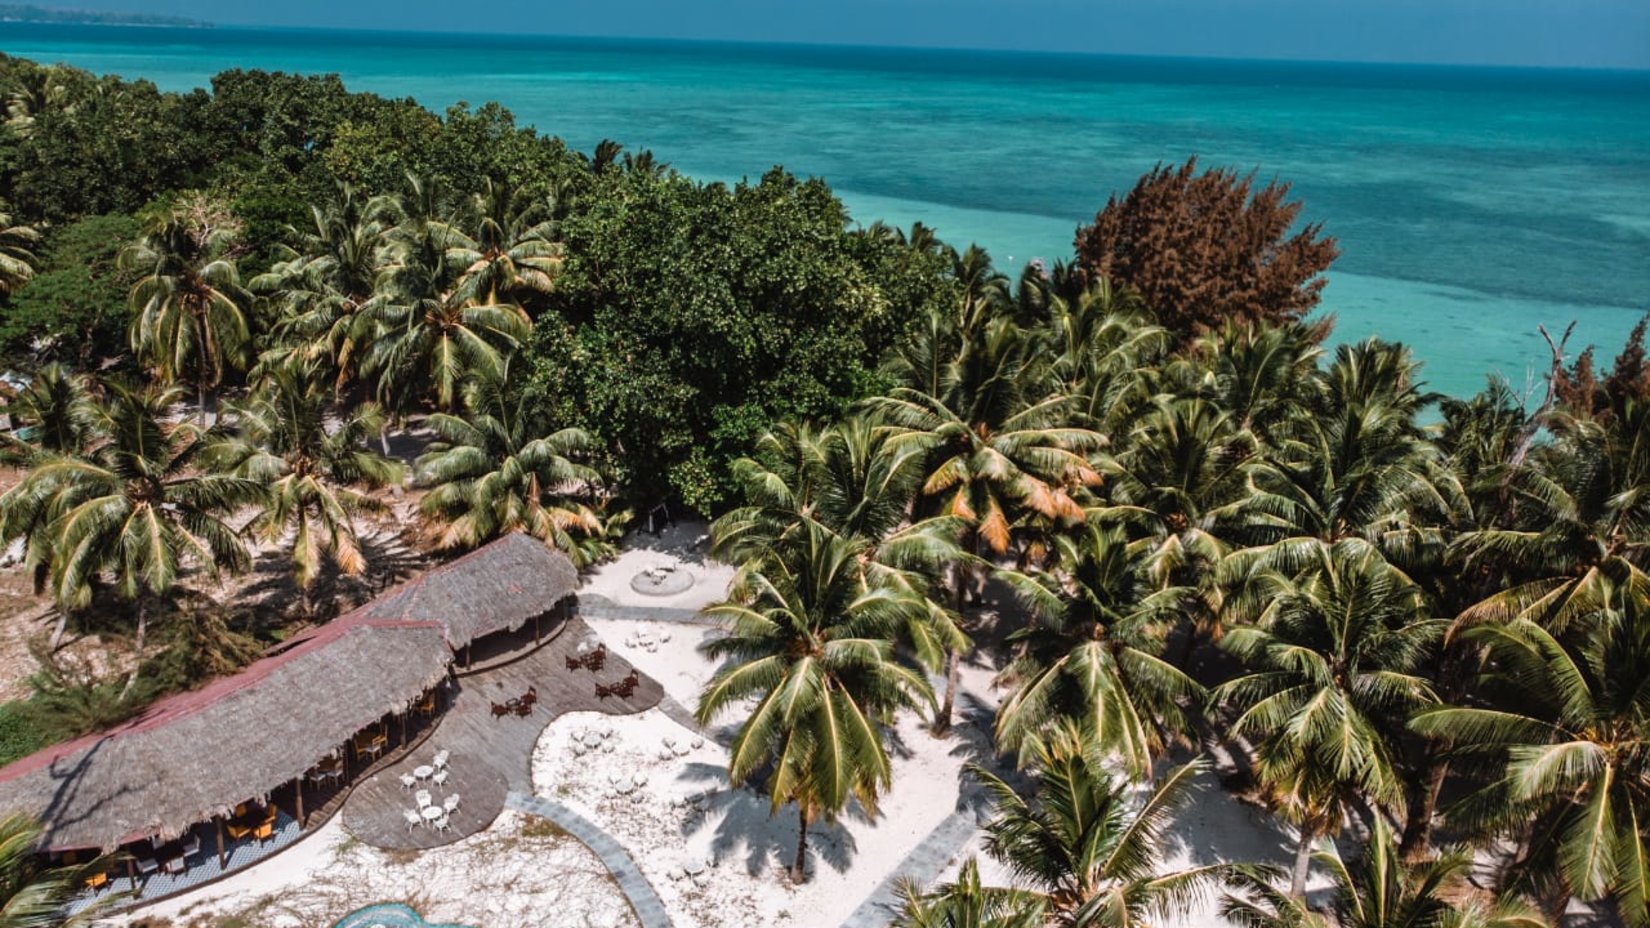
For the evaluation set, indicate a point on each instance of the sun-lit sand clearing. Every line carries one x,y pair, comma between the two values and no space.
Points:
521,871
716,856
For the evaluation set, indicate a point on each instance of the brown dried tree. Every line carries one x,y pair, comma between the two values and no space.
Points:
1205,248
1584,393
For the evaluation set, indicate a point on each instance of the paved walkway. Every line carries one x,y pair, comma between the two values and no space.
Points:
650,911
923,865
937,849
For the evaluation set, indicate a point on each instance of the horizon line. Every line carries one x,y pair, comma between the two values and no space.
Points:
209,27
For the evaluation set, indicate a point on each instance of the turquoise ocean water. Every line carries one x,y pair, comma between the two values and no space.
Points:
1471,204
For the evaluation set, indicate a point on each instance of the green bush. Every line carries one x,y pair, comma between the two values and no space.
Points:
20,736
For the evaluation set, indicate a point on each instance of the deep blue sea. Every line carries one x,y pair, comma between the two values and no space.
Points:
1471,204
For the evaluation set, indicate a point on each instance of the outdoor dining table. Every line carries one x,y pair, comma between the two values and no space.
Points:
424,772
431,813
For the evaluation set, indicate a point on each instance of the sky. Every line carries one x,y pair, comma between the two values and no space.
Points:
1542,33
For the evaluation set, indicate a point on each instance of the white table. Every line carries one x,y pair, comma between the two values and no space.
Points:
431,813
424,772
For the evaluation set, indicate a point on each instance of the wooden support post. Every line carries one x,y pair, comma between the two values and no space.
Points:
403,729
300,788
131,874
223,862
469,651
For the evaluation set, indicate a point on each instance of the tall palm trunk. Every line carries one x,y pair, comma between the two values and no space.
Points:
953,661
1303,859
1418,826
799,869
137,645
203,337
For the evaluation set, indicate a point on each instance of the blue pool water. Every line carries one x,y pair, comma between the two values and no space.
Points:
1472,204
387,915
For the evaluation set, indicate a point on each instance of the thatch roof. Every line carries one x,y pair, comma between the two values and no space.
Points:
498,587
195,755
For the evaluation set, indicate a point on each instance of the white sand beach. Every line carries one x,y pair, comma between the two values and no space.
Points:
715,856
521,871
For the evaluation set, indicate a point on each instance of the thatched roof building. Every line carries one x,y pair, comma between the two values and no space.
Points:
193,756
499,587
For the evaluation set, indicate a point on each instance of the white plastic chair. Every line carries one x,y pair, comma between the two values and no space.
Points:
440,761
413,819
407,781
450,804
440,778
423,797
441,823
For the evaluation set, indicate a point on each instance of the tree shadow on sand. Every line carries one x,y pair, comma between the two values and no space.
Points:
766,842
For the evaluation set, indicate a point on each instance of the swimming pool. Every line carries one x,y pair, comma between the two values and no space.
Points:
387,915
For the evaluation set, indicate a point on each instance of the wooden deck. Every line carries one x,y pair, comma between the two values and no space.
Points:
489,756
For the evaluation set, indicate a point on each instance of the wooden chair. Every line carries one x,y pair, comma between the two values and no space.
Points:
265,832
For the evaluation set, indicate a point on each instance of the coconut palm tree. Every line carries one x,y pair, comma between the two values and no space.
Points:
1386,890
429,336
1089,658
501,468
513,254
187,323
997,448
1355,466
323,282
287,441
1084,844
55,414
1104,350
1263,375
966,903
853,480
1562,728
17,259
1578,522
809,636
1179,483
1332,653
136,508
432,345
32,894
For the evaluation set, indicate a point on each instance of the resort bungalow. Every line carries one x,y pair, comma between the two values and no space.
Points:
205,782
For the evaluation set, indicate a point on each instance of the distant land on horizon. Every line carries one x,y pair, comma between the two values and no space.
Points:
30,13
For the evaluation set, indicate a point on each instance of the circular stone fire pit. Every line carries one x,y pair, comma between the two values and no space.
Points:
662,580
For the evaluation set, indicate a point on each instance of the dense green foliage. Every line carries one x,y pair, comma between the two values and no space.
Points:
73,310
687,318
19,736
1214,530
1237,538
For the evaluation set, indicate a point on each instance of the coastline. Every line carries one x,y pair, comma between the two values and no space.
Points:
1542,238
